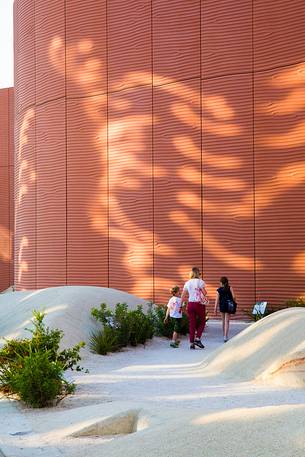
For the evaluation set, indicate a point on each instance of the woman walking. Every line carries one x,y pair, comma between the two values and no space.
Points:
195,293
225,300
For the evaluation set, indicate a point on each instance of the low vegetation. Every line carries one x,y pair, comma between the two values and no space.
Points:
123,327
157,314
298,302
33,368
120,328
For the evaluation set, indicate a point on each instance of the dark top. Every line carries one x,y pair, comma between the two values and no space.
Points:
224,296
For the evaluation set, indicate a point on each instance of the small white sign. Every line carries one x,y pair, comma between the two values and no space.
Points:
259,307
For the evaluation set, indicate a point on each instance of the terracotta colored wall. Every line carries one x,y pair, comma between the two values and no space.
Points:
159,136
6,187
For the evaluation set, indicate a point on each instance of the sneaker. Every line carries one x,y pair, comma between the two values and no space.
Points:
199,344
225,339
174,345
178,341
192,346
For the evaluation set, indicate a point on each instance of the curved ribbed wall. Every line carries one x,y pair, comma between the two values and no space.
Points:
6,187
155,135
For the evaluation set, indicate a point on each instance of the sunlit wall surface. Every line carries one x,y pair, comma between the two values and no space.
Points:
6,187
154,135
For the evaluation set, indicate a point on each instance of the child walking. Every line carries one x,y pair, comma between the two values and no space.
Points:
174,311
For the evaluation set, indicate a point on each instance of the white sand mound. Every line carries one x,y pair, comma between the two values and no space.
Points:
67,308
272,349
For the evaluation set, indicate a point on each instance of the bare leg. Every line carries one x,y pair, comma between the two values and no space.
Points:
226,325
175,336
223,323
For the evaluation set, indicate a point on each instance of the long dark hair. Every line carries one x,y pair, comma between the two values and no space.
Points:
225,282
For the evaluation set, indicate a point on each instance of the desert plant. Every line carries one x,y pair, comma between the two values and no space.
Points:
157,315
41,380
258,316
295,302
121,327
104,340
33,368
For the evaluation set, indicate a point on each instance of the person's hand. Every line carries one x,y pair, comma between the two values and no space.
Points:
165,320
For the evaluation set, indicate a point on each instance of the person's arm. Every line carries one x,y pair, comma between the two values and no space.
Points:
184,296
203,288
233,294
166,315
216,303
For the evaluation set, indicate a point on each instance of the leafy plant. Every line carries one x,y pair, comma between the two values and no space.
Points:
258,316
121,327
296,302
40,381
33,368
104,340
157,314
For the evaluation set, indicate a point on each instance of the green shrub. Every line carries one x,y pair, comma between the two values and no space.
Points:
41,380
104,340
157,315
121,327
258,316
296,302
33,368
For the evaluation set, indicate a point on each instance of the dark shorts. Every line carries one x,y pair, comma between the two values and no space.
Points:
176,322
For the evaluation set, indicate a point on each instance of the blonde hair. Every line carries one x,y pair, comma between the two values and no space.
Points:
174,290
195,273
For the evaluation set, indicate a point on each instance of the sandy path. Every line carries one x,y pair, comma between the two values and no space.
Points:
206,416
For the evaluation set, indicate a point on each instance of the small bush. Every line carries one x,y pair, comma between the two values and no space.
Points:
121,327
298,302
33,368
157,315
104,340
40,381
258,316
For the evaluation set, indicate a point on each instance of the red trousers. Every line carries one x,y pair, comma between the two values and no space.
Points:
196,315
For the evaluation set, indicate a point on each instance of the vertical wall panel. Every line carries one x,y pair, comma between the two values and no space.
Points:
87,217
25,201
4,125
228,208
11,165
86,47
226,37
5,254
50,49
176,40
51,194
129,43
5,191
177,184
130,192
278,33
24,14
280,183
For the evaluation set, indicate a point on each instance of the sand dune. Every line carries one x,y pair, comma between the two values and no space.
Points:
67,308
272,349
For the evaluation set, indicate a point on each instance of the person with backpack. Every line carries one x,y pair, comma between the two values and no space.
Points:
226,302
